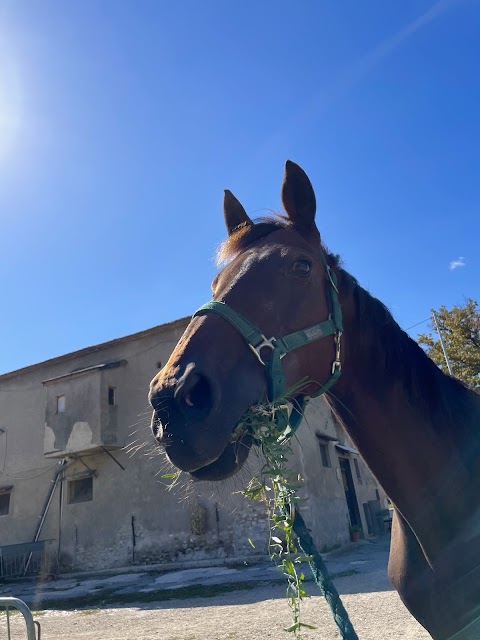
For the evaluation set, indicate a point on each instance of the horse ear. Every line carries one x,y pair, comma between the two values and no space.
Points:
298,197
234,213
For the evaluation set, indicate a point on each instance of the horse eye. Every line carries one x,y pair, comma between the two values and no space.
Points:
302,268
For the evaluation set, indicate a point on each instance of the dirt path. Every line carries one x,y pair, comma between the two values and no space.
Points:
259,614
254,610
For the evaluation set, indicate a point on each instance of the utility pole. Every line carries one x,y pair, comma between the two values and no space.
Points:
435,320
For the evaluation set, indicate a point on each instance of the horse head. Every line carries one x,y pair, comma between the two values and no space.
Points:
272,299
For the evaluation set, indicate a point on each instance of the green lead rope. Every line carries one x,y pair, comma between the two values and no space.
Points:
323,578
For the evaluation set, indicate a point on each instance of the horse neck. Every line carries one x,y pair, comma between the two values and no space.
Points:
407,419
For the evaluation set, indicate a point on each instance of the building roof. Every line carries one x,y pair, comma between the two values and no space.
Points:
95,367
95,348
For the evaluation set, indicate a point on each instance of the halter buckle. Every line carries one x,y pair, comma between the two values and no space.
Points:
266,343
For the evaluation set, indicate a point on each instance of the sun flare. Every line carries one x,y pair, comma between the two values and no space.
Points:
10,107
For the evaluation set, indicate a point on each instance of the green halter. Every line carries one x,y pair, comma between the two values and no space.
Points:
279,347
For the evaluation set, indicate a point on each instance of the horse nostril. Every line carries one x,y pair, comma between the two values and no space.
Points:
196,393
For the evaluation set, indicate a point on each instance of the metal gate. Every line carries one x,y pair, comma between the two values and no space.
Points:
19,560
10,605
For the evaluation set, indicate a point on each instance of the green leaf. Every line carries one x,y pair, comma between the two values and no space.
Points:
169,476
289,568
251,543
299,559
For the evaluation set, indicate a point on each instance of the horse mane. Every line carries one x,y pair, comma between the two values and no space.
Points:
391,357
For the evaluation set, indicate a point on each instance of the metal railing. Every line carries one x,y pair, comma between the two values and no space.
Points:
14,604
19,560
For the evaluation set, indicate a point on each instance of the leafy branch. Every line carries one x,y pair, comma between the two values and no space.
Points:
277,485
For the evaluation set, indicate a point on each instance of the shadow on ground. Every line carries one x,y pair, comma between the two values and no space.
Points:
358,569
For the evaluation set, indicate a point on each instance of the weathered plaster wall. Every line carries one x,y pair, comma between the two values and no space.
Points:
78,427
328,517
98,533
22,464
26,404
326,510
144,523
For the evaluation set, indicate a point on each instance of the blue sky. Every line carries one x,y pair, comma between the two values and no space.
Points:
122,122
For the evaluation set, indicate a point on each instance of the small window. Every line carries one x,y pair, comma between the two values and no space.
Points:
60,404
80,490
377,494
325,455
357,469
4,502
111,396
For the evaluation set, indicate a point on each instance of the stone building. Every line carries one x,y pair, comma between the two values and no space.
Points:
80,480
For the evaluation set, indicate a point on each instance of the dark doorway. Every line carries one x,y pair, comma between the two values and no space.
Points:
350,495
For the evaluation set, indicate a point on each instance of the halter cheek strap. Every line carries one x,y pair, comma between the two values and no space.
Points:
279,348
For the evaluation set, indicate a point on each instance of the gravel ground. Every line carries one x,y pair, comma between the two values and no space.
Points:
259,613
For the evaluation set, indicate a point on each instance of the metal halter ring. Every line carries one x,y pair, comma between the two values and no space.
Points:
266,343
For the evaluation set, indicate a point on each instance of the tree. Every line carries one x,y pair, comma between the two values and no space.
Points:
460,329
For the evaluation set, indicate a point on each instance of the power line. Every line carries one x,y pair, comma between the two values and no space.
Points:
416,325
37,475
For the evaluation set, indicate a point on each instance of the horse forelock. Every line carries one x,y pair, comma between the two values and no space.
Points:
246,235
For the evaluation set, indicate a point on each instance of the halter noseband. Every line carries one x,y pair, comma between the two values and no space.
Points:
279,347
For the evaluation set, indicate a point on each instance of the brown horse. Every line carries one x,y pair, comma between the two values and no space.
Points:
416,428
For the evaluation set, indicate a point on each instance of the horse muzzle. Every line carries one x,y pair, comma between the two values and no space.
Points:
187,423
